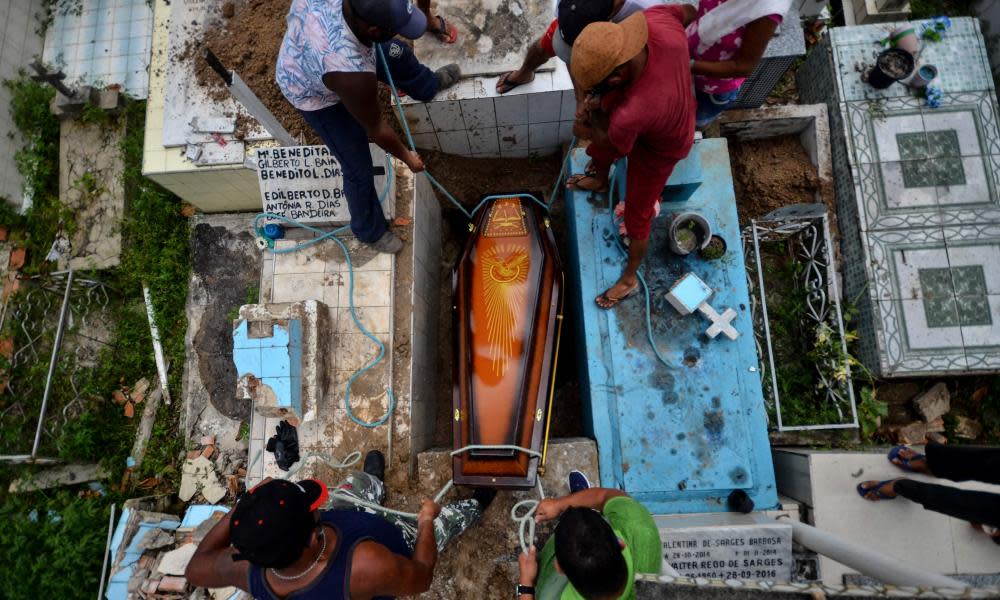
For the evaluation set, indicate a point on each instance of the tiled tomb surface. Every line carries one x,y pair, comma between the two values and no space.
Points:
918,202
396,298
104,42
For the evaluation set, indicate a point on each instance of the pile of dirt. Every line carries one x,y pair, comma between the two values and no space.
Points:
247,41
770,173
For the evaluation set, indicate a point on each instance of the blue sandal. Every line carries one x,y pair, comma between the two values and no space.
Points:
904,463
864,491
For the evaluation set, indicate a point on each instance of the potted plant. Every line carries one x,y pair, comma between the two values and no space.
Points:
688,232
714,249
891,65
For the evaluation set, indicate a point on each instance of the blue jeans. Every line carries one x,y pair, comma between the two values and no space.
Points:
348,140
710,106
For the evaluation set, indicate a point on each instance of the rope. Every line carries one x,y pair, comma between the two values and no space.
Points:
409,138
642,280
526,522
332,235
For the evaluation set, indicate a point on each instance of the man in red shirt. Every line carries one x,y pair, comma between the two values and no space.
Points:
637,76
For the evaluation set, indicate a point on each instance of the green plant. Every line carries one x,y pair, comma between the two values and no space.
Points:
53,544
92,114
876,109
871,410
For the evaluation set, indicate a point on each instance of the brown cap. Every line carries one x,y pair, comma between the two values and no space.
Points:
602,46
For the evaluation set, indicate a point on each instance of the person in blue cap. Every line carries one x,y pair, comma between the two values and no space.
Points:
328,69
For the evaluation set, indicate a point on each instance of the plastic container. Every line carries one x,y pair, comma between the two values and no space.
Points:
274,231
923,76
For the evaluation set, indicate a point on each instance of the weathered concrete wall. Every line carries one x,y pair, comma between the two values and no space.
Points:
19,42
424,319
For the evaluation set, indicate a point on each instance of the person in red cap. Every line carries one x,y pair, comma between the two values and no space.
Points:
637,78
277,541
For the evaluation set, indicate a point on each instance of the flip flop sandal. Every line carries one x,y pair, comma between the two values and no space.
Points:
904,463
876,489
613,302
508,85
447,33
573,184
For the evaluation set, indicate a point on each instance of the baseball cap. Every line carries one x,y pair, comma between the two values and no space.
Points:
271,523
396,16
573,16
601,47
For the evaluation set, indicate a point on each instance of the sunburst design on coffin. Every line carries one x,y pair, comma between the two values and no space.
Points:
504,273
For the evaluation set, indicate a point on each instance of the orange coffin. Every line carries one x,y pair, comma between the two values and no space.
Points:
507,312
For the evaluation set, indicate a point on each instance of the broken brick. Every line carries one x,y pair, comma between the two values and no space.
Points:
3,234
208,451
118,396
170,583
193,454
207,440
129,409
7,347
17,257
933,403
968,429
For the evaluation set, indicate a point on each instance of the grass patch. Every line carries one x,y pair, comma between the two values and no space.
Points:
53,540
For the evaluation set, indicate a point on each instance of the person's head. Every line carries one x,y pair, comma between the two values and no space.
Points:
573,16
590,555
603,51
381,20
275,521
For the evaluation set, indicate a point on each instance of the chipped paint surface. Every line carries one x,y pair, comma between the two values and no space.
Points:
680,437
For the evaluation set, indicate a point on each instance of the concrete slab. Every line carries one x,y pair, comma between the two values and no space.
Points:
90,185
493,36
826,482
225,267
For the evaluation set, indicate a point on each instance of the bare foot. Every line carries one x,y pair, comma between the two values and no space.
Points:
587,183
615,294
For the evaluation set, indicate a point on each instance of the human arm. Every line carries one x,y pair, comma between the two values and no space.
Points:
756,36
595,498
359,93
212,565
377,571
527,568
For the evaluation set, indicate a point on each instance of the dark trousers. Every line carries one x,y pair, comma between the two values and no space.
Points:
348,141
958,463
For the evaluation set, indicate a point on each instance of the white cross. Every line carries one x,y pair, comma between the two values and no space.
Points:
720,323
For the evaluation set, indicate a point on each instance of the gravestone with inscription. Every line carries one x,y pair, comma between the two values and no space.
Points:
305,183
752,551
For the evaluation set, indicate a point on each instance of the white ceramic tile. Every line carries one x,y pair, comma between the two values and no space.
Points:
511,110
417,118
454,142
296,287
986,334
985,255
371,288
446,116
426,141
908,264
567,111
479,113
565,132
921,337
542,83
513,138
545,107
898,196
886,130
484,141
543,135
976,189
962,122
560,76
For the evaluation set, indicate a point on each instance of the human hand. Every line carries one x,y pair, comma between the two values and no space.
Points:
527,564
548,509
414,162
429,510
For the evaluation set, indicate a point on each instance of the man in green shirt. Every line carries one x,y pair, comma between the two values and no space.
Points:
602,540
